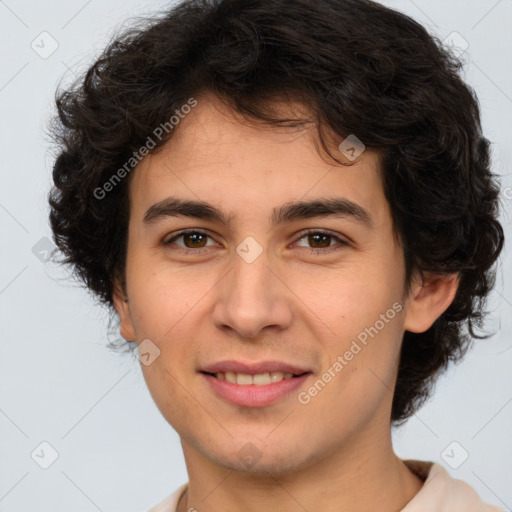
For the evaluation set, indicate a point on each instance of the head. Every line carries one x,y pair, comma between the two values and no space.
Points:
251,106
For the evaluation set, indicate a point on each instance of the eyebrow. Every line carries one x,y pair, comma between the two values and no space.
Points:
288,212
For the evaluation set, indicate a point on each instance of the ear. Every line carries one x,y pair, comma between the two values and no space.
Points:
429,298
122,308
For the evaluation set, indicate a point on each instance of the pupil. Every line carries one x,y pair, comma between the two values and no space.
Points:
197,238
194,237
316,238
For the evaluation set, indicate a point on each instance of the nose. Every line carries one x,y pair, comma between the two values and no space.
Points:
252,297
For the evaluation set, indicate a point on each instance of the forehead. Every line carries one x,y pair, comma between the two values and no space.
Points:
218,156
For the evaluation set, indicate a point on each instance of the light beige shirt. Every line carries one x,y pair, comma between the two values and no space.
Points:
440,493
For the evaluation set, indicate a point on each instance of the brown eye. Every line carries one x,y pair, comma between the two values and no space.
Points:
320,242
321,239
191,240
195,239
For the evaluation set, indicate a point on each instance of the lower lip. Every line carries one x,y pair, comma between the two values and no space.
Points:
252,395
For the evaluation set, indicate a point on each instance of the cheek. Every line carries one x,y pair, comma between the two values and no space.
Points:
358,318
359,372
347,300
162,297
169,392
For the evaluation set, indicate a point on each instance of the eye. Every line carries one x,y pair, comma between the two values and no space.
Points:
194,239
321,241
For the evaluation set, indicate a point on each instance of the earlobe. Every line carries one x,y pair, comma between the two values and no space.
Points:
429,298
122,308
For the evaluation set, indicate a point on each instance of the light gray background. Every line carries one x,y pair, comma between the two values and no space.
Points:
58,382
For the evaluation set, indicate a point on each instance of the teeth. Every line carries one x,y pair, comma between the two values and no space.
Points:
260,379
230,377
242,378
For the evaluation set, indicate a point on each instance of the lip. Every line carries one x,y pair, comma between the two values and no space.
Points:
253,368
252,395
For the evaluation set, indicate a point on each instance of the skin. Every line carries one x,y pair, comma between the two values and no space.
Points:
335,453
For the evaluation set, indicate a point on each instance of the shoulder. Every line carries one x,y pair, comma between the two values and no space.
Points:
170,503
443,493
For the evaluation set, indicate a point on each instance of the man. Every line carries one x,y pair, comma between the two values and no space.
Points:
289,205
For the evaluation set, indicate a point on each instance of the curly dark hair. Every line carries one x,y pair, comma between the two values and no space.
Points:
360,68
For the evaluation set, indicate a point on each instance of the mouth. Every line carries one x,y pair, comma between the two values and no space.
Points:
259,379
256,384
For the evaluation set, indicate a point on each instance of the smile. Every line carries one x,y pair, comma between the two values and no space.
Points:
256,389
260,379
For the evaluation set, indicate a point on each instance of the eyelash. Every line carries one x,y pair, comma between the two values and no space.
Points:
316,252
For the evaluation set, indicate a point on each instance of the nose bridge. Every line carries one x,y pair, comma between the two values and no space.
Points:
251,296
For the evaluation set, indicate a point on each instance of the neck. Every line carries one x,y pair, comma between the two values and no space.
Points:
355,478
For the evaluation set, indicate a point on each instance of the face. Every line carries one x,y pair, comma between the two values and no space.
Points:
261,290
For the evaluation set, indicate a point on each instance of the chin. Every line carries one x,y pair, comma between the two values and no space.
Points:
259,457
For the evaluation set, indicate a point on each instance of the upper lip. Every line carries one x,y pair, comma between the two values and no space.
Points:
253,368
